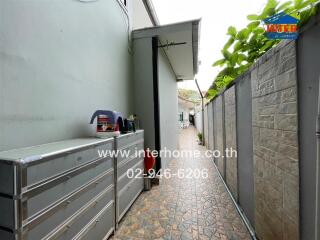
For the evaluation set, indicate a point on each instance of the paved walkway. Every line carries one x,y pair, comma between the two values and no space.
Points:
185,208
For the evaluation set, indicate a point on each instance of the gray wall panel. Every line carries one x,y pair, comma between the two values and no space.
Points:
231,141
245,147
210,126
143,88
219,133
308,82
206,125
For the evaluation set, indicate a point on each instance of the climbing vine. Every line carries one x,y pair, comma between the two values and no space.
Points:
245,46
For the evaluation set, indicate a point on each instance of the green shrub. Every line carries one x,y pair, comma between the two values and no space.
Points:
245,46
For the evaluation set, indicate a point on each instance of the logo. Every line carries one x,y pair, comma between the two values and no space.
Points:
282,26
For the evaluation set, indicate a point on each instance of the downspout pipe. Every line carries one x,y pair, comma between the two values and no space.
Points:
151,12
202,111
317,220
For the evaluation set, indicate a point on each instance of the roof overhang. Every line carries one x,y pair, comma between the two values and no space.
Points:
180,42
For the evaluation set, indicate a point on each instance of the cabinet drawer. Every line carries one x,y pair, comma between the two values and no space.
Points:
100,227
75,224
132,151
123,179
128,164
126,140
49,168
7,208
7,176
128,195
71,182
66,208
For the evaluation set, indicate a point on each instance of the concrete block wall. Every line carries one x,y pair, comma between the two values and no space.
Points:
205,121
231,141
219,133
275,144
210,128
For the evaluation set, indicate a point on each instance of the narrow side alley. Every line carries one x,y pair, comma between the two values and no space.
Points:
185,208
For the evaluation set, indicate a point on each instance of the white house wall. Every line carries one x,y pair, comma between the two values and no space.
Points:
168,97
60,61
198,120
183,109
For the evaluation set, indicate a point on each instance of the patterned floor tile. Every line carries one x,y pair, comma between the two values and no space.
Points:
184,209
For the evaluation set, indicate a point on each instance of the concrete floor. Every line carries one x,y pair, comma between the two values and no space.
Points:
185,208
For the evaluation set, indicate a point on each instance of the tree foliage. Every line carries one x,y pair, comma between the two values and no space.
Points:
246,45
190,95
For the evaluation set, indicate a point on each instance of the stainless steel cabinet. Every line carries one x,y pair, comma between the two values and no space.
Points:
61,190
128,187
67,190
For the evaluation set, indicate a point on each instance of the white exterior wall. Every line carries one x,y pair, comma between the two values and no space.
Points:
168,101
198,120
182,108
60,61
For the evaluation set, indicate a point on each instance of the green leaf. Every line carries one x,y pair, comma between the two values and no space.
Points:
253,17
232,31
243,34
241,58
226,54
219,62
307,3
253,25
233,59
271,12
270,4
258,30
284,5
237,46
228,44
297,3
253,39
269,9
